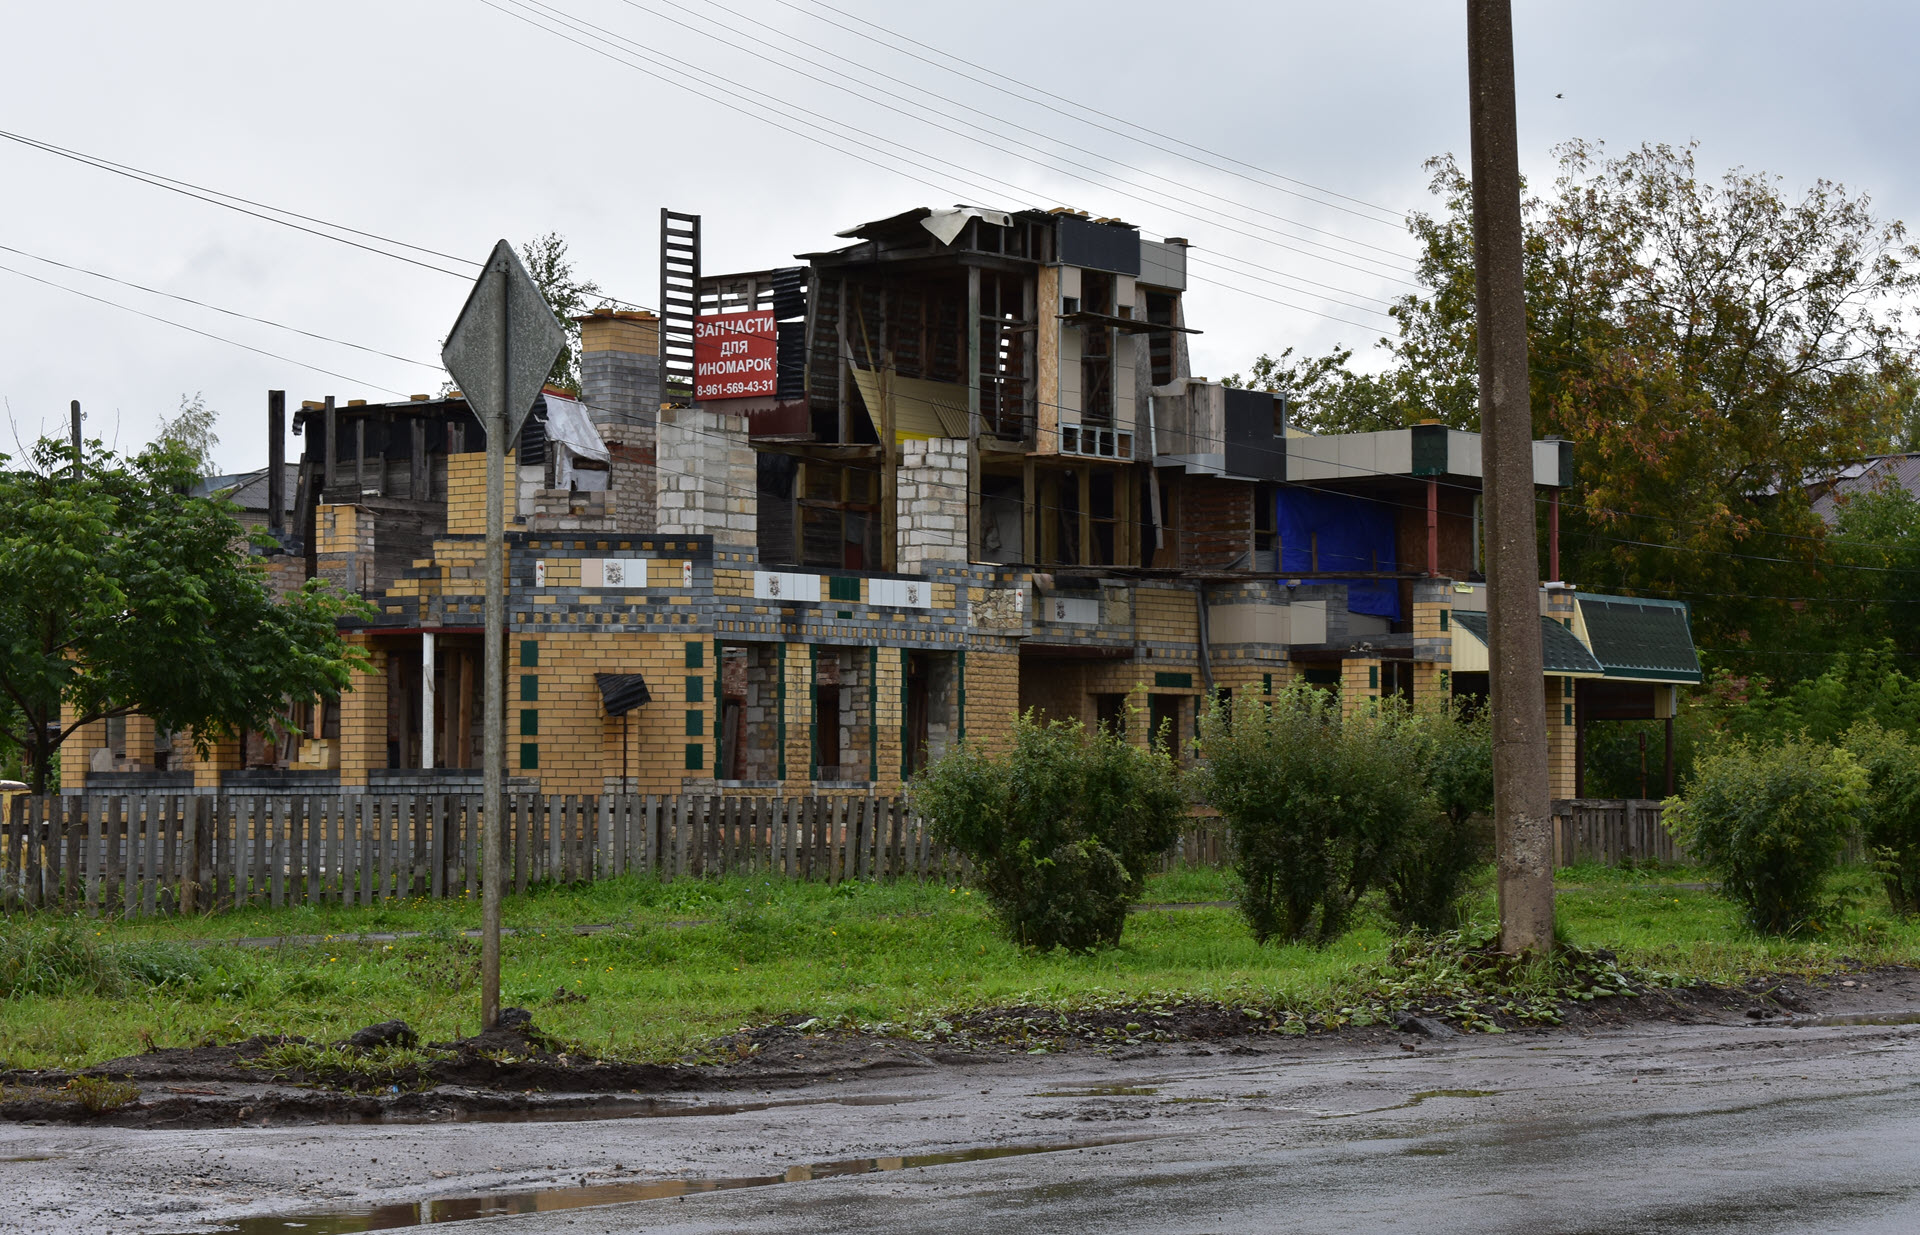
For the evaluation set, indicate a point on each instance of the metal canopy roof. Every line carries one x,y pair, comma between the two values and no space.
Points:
1638,639
622,692
1563,653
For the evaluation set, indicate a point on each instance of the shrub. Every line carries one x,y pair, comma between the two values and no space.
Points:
1060,829
1770,822
1891,816
1439,845
1314,805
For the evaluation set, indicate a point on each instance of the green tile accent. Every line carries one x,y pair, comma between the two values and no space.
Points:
813,711
529,722
873,713
529,754
529,653
696,690
696,723
960,687
841,588
1373,677
1446,619
696,655
696,756
1568,715
1266,683
1173,681
529,687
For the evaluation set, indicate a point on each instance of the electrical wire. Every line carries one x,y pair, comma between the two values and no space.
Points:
167,321
1397,220
152,291
675,74
735,33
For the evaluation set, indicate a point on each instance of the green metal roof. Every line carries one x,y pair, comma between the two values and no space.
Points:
1641,639
1562,650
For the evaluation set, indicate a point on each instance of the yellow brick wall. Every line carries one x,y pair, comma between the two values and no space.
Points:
467,492
1432,685
576,745
1166,615
224,756
363,717
1356,684
638,333
1560,738
993,697
799,714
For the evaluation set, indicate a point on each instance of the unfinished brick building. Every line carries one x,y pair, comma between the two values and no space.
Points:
813,524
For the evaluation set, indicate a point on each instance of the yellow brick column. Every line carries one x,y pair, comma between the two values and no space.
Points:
1560,737
363,718
1359,682
78,748
223,755
889,713
798,711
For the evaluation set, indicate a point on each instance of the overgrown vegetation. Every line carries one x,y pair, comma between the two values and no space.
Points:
1771,821
1060,828
1323,809
1890,813
686,963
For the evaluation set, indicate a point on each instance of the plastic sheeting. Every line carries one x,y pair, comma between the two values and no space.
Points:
1334,532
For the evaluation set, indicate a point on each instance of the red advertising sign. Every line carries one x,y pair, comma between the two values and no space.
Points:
733,356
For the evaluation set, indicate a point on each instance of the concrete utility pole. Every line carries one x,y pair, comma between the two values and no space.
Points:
1522,808
78,444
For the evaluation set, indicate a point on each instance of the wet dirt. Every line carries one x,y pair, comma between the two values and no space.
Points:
591,1196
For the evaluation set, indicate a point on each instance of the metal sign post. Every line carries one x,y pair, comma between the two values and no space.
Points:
499,352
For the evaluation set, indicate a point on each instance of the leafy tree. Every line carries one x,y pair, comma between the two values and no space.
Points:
567,295
1770,821
1061,829
189,432
1891,814
119,593
1708,347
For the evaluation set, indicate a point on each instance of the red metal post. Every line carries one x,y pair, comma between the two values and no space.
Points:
1553,536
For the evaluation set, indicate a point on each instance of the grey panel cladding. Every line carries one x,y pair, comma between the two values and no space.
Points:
1098,246
1253,447
1163,265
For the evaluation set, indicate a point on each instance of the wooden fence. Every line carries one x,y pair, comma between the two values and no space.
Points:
141,854
1612,831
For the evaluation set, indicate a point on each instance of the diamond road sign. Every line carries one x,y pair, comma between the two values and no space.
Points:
504,343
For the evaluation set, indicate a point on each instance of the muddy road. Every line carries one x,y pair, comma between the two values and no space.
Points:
1809,1122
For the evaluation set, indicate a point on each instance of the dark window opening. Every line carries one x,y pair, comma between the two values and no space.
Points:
1110,713
1163,714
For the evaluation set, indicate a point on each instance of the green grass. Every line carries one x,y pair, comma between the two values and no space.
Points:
693,959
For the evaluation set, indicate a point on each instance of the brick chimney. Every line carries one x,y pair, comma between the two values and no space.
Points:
620,381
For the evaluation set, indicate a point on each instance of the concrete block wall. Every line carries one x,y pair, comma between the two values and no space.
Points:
707,477
931,503
620,381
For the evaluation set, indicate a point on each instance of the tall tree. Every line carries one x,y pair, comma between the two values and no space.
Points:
1707,346
568,295
120,593
189,432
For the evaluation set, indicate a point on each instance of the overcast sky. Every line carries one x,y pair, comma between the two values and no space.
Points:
447,124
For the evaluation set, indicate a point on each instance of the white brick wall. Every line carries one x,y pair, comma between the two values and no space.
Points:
932,498
707,476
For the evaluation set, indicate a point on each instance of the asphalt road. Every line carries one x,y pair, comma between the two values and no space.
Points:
1741,1127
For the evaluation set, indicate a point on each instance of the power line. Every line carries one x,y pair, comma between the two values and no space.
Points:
153,291
167,321
734,33
600,41
1398,220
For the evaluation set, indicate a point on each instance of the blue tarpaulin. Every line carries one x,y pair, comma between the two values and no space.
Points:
1333,531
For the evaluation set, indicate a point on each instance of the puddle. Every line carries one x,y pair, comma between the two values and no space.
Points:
547,1200
1427,1151
1416,1100
613,1108
1102,1091
1904,1017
